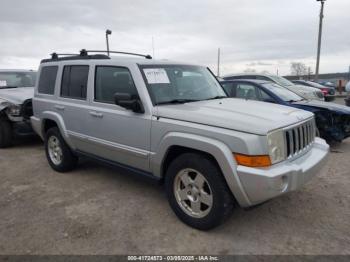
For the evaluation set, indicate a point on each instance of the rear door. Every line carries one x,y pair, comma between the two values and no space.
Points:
72,103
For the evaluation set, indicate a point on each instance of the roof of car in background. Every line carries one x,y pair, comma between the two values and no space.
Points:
248,74
254,81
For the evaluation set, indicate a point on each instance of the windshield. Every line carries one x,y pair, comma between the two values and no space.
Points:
282,92
281,81
313,84
17,79
180,83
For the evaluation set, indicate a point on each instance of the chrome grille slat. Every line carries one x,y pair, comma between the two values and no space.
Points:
299,138
291,141
296,139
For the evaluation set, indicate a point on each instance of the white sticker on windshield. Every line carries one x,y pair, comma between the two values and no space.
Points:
156,76
3,83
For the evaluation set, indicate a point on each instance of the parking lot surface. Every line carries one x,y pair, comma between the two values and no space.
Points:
98,210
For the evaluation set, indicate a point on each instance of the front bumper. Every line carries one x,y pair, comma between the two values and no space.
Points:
261,184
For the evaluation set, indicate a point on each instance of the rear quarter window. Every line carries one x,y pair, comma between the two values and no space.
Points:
47,80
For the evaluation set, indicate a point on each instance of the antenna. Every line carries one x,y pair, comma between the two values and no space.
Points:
218,62
153,46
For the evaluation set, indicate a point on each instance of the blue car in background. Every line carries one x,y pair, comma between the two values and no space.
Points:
333,120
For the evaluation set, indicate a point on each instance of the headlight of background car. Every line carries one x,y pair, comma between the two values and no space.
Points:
275,141
3,102
14,110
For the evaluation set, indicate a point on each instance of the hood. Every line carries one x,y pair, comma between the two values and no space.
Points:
17,95
324,105
236,114
306,92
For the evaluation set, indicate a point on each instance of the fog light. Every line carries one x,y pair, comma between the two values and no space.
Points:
281,184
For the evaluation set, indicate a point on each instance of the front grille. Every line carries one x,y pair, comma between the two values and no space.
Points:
299,138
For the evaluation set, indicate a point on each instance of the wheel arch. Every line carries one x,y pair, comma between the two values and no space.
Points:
52,119
174,144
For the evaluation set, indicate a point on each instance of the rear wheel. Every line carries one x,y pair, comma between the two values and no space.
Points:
58,153
6,135
197,191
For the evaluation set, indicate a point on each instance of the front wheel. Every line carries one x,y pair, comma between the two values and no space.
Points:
58,153
197,191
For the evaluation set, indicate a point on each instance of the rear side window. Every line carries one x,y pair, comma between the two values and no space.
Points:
47,80
110,80
74,81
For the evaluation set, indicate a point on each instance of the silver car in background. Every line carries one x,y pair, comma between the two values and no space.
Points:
16,93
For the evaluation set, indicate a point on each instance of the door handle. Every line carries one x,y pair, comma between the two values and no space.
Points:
59,107
96,114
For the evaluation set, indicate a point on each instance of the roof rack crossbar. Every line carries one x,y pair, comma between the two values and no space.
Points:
85,52
55,55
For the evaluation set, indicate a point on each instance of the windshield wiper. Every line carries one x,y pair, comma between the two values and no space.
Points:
177,101
216,97
293,101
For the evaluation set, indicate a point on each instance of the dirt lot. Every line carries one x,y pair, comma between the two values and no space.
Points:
96,210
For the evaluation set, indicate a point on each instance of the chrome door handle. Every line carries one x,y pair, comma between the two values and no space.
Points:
96,114
59,107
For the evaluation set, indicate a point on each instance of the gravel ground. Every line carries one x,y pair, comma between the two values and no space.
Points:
98,210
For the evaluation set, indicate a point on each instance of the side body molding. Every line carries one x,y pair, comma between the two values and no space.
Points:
217,149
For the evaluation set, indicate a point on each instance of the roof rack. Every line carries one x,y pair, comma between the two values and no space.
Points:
63,57
84,54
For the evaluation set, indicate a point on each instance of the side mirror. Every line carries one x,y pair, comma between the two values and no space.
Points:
125,100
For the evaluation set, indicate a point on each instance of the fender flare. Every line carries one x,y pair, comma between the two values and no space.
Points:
57,118
221,153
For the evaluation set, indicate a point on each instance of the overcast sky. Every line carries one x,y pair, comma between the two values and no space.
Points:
265,35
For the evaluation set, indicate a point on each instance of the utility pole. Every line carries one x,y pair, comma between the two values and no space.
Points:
152,47
319,40
108,32
218,74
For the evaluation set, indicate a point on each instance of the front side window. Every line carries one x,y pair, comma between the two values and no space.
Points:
229,88
74,81
180,83
246,91
17,79
47,80
110,80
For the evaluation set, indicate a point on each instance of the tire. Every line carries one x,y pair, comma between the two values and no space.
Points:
58,153
184,199
6,135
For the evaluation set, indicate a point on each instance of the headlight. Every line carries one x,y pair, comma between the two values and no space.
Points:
14,110
276,145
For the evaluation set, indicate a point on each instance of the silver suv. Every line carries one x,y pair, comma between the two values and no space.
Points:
173,122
